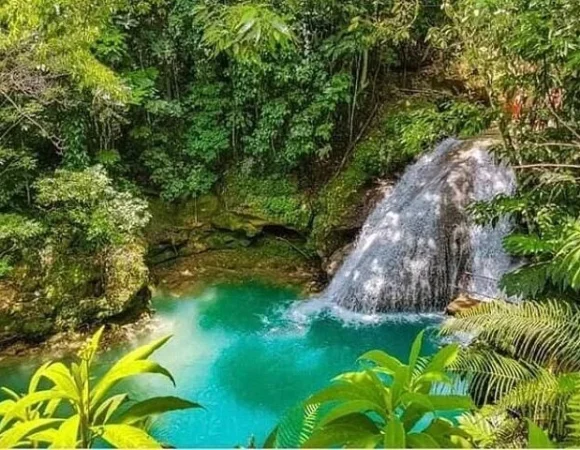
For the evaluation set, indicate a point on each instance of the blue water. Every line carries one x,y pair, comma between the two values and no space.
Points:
241,352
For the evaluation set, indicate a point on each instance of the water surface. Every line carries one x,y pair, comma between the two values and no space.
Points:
248,352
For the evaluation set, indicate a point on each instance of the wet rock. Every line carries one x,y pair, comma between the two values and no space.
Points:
462,303
71,291
333,263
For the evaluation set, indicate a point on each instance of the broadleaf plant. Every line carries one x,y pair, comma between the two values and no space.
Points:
32,420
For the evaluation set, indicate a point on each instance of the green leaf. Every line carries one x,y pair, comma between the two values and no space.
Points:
108,408
152,406
129,368
347,431
17,433
67,434
62,378
395,435
421,440
443,358
537,438
450,402
46,436
142,352
126,436
295,428
21,405
415,351
382,360
350,407
35,379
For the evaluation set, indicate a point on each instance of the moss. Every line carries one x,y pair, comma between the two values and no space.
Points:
168,219
275,199
64,291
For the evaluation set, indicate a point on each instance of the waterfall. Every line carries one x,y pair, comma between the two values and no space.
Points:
418,248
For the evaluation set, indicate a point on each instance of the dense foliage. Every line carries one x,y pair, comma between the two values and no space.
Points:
292,109
36,417
389,405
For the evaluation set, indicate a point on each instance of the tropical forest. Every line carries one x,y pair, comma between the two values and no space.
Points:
289,224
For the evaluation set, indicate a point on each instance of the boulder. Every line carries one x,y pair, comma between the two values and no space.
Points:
461,303
333,263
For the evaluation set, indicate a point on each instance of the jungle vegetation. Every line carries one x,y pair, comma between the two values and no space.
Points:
106,105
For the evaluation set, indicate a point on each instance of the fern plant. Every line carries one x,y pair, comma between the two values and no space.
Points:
295,428
31,419
553,261
523,362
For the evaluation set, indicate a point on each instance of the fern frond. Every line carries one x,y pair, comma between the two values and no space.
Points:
574,415
488,429
527,281
528,245
568,268
543,334
490,375
544,400
296,426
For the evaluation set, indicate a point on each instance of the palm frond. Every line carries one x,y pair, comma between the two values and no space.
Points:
543,334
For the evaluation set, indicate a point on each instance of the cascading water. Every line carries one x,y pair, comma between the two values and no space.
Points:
419,248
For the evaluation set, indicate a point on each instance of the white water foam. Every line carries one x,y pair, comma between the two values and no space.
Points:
419,247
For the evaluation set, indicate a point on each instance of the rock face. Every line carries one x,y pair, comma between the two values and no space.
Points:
333,263
419,247
63,293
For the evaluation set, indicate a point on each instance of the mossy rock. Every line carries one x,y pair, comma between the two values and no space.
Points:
174,221
276,200
75,290
248,225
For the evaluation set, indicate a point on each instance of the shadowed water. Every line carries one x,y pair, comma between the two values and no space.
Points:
248,353
419,247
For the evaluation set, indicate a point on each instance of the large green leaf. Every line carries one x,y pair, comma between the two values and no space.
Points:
386,362
20,431
152,406
108,408
63,379
19,408
352,386
350,431
142,352
537,438
120,371
421,440
443,358
67,434
44,436
36,377
350,407
126,436
415,351
395,435
450,402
